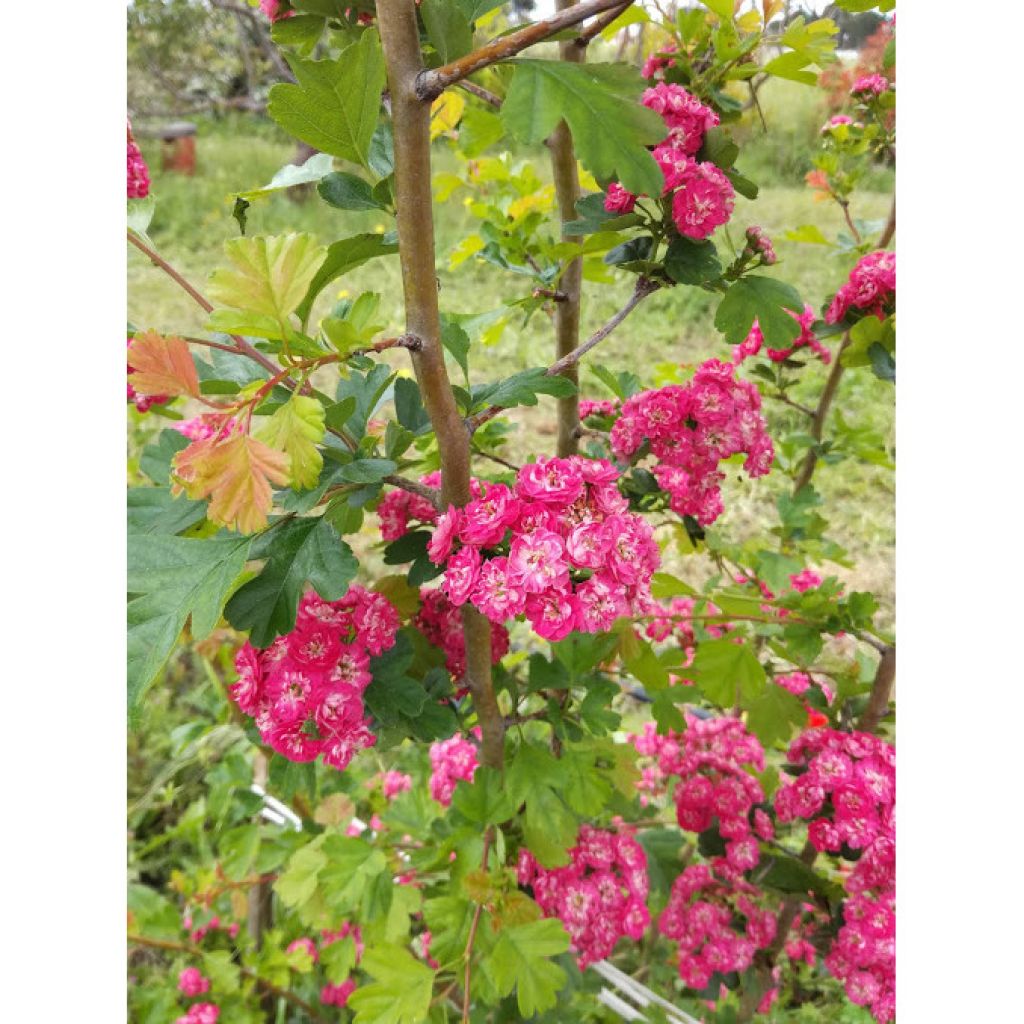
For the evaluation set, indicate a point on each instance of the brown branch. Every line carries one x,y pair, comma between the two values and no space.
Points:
596,27
430,84
890,226
481,94
644,287
496,458
411,121
821,414
565,176
403,484
550,293
267,986
881,691
845,206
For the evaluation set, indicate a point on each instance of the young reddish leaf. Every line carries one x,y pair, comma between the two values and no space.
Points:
162,366
235,473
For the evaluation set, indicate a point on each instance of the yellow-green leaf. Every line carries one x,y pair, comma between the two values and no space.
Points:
271,274
297,427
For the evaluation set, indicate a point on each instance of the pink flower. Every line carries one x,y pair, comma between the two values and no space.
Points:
552,614
452,760
138,173
337,995
805,580
835,122
393,783
497,596
486,519
554,481
272,9
656,62
447,529
703,201
618,200
192,983
461,575
306,944
870,290
537,561
686,117
871,85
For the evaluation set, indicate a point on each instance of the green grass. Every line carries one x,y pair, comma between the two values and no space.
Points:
193,219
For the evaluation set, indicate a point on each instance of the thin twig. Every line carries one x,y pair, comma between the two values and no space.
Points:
468,954
429,493
793,405
598,25
481,93
431,83
496,458
644,287
881,691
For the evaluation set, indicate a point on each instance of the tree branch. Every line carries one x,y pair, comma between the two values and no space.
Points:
566,179
821,414
411,120
481,93
644,287
430,84
596,27
881,691
404,484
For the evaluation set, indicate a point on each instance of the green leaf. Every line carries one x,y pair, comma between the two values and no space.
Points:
338,958
725,670
347,192
174,578
297,551
599,102
520,960
271,275
334,106
351,865
223,974
302,31
809,234
313,169
156,510
342,257
586,791
688,262
366,471
409,406
238,849
484,801
762,299
154,914
774,714
882,362
297,427
448,28
400,993
456,340
298,882
790,875
723,8
549,827
522,388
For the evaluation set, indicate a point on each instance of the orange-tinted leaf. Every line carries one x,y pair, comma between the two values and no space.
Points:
162,365
235,473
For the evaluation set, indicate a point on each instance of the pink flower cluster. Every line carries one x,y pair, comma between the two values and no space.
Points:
199,932
392,783
598,407
452,760
192,983
207,425
687,118
200,1013
703,195
600,896
338,995
751,345
691,428
717,923
560,546
138,173
143,402
656,62
871,85
759,245
397,508
847,792
305,690
441,623
871,288
835,121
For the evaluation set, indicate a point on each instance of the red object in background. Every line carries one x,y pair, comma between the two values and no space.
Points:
179,154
